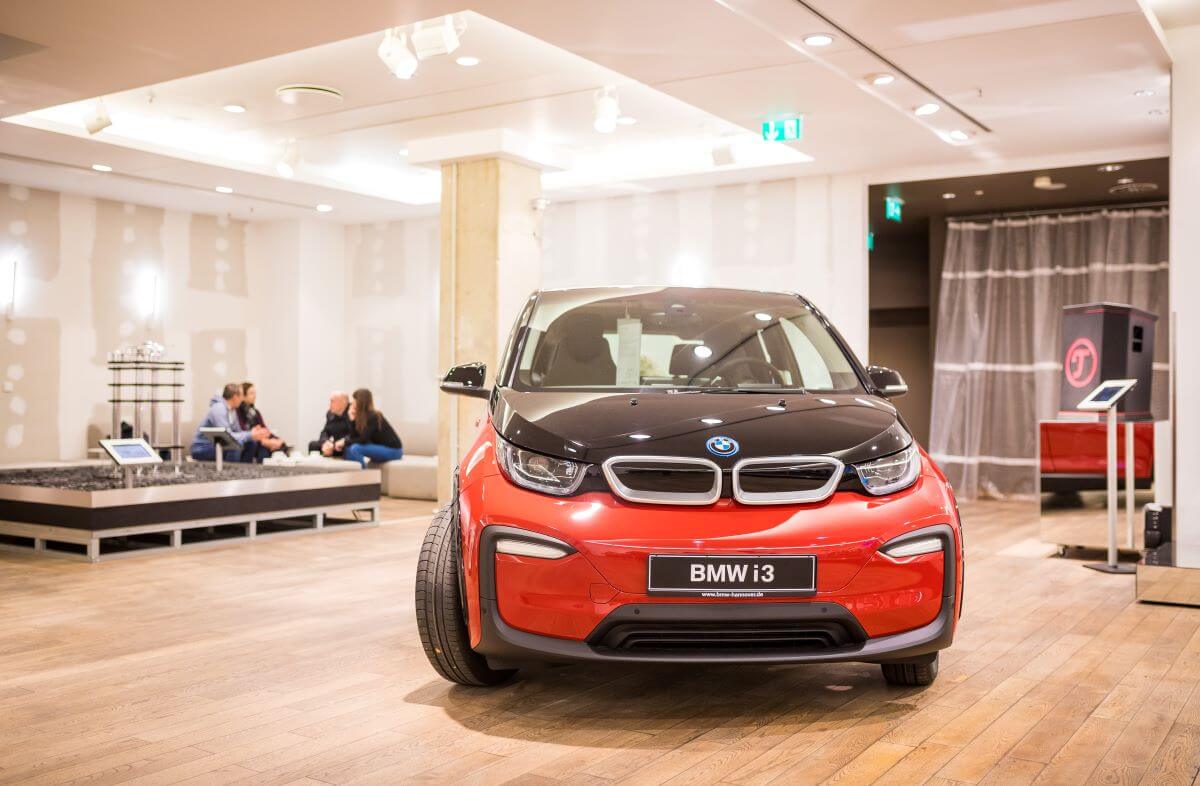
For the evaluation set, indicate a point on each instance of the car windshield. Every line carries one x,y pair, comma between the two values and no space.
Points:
675,338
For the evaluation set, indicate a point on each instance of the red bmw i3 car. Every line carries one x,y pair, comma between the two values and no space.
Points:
688,475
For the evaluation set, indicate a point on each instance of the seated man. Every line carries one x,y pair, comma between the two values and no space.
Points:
222,413
337,426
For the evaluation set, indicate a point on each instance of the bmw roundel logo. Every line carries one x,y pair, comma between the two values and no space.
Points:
722,446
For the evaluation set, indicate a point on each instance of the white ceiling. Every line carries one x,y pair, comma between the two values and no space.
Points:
1047,77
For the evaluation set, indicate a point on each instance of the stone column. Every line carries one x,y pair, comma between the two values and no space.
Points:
490,263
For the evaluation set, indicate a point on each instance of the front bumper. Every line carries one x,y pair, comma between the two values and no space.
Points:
830,631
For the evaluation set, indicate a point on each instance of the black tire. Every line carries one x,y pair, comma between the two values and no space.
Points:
911,674
440,618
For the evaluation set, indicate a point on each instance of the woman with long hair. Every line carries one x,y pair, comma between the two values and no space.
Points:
371,436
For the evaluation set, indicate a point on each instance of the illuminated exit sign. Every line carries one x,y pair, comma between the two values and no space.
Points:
892,207
787,129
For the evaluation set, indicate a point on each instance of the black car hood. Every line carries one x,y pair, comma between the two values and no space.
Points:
592,426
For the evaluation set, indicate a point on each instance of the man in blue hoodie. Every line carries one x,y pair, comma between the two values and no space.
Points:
222,413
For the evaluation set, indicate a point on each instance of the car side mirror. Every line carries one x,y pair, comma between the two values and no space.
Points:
469,379
887,381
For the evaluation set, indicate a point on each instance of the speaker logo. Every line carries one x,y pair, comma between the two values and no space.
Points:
1081,363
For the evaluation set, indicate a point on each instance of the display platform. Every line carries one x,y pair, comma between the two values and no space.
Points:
88,512
1170,574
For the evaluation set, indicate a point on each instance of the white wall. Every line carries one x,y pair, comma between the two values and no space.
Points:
1185,273
304,307
806,235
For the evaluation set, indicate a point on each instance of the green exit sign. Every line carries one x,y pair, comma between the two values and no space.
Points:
788,129
892,208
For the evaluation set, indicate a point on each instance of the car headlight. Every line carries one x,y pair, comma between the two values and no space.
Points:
890,473
538,472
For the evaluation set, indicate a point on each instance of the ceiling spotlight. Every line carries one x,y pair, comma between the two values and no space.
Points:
818,39
1110,168
958,135
1143,93
324,208
626,120
436,37
949,195
234,109
925,110
1046,183
467,61
879,80
286,165
395,54
102,167
98,120
223,190
605,109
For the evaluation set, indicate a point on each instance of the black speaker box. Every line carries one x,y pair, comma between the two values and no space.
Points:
1107,341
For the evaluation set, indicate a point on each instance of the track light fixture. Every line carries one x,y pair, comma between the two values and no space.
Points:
606,110
286,165
435,37
395,54
98,120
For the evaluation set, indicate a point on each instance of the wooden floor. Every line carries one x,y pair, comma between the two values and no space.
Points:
297,661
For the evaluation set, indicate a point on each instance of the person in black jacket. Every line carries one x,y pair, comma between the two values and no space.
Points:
249,417
337,426
371,437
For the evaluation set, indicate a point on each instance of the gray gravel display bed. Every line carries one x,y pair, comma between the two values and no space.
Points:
94,478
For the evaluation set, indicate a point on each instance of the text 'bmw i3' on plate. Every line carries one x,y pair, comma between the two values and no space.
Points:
687,475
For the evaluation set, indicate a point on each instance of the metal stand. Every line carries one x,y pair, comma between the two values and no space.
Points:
220,455
1112,565
127,471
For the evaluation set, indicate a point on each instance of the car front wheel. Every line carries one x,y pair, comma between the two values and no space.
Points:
440,609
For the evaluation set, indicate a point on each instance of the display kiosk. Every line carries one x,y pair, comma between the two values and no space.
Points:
1106,397
221,438
130,453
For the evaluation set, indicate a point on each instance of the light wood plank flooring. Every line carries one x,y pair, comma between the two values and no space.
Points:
297,661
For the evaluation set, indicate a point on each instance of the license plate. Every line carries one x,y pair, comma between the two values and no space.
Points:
732,577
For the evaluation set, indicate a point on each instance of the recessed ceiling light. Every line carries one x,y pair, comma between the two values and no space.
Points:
102,167
1124,180
701,351
626,120
818,39
1157,112
948,195
879,80
1143,93
979,192
235,109
324,208
958,135
1110,168
711,421
762,317
639,436
1046,183
467,61
223,190
924,110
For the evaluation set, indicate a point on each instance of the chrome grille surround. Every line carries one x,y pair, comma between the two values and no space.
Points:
662,497
789,497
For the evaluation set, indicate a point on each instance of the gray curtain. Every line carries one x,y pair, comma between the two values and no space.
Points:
996,364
